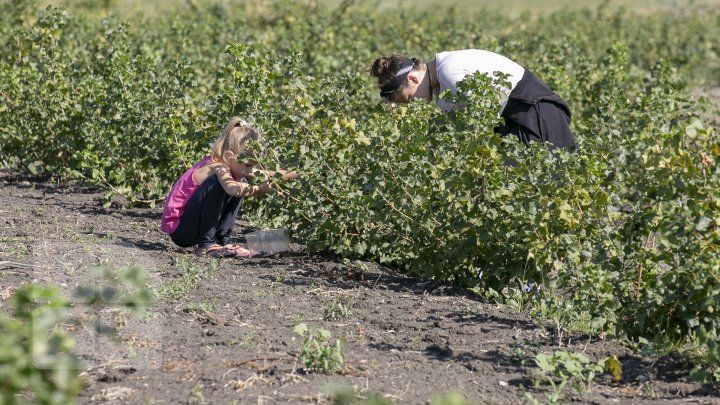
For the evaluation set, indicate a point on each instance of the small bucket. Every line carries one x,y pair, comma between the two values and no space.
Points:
269,242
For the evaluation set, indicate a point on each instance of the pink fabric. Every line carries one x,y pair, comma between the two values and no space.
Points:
175,202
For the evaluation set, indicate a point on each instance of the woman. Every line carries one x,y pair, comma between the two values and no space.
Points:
532,112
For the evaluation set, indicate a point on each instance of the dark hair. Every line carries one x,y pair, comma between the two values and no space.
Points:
386,70
386,67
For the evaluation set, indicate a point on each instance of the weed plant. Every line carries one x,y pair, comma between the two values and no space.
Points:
37,353
317,352
191,273
337,310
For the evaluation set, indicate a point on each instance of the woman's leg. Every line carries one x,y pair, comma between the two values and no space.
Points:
200,219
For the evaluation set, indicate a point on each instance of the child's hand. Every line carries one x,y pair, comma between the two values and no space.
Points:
262,190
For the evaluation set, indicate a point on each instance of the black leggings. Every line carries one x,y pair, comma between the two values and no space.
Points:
209,216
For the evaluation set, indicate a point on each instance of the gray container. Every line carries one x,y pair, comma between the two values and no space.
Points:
269,242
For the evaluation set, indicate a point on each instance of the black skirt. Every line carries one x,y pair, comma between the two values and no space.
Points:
534,113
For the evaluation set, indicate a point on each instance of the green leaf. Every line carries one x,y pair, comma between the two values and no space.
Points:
301,328
613,365
702,224
543,362
598,323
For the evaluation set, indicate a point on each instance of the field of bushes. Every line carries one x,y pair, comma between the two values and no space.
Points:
619,238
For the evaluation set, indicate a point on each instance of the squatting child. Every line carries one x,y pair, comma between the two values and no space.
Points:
204,202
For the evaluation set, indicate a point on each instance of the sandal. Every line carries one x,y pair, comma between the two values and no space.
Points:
215,251
240,251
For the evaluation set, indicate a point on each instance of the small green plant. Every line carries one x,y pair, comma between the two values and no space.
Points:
451,399
196,394
248,339
200,307
553,397
18,250
414,342
260,293
191,274
518,298
373,363
519,355
346,395
125,287
710,352
337,310
574,369
73,235
317,352
37,353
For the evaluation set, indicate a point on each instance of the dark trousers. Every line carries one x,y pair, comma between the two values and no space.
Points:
209,216
544,121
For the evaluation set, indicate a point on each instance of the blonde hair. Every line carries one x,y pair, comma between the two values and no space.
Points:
234,138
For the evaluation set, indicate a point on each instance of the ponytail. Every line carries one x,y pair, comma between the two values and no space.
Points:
234,138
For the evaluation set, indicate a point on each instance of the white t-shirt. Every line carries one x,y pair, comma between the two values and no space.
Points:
453,66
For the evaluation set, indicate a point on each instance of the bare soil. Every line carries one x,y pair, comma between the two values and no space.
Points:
230,337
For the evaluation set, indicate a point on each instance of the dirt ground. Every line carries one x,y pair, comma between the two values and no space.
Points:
230,338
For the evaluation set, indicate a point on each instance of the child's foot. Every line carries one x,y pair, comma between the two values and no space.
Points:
215,251
240,251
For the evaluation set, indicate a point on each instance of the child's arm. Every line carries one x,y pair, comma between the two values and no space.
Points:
284,173
238,188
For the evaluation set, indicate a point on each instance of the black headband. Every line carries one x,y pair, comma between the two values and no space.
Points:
397,81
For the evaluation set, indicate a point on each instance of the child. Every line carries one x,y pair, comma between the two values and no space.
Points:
204,202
